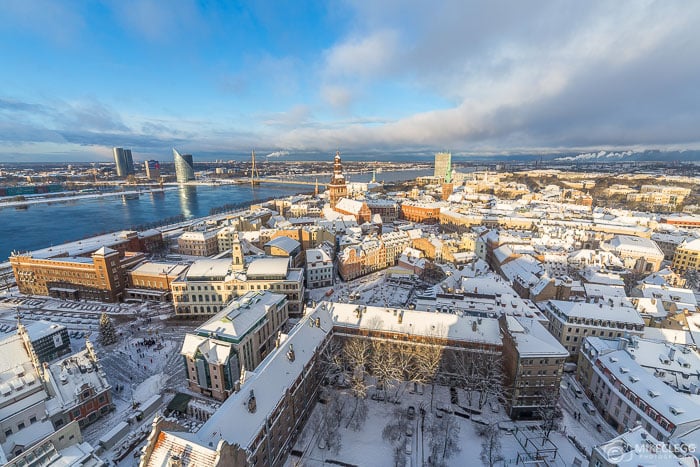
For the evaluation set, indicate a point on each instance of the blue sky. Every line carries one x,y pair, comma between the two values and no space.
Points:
219,77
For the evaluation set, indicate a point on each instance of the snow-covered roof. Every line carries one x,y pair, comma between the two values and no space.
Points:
421,323
284,243
41,328
268,267
683,297
208,269
160,267
618,311
604,291
349,205
213,350
532,339
233,421
69,376
665,400
637,245
637,447
240,316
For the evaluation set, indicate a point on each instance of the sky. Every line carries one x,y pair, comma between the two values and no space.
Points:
221,77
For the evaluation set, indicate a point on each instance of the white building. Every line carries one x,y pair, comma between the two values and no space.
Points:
319,268
627,394
572,322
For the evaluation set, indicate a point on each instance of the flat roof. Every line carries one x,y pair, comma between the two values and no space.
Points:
265,267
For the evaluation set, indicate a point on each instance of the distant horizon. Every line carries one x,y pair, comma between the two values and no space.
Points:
647,155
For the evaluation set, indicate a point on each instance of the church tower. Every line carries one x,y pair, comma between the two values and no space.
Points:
236,253
337,188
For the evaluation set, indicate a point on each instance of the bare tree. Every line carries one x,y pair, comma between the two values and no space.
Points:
491,382
428,359
326,423
357,354
383,366
548,411
491,444
444,439
394,432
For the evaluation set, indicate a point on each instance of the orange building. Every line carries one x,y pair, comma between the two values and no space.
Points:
426,213
99,277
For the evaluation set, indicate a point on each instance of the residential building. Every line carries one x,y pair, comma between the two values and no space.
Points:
351,207
124,162
359,260
319,268
687,256
152,170
235,339
49,340
533,362
426,213
23,399
641,255
388,209
287,248
198,243
184,167
626,394
636,447
80,388
394,244
572,322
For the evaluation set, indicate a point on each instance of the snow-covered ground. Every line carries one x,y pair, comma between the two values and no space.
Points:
367,447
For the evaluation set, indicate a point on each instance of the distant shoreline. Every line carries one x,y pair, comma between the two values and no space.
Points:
61,199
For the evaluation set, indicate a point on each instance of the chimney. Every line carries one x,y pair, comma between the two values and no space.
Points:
671,353
290,353
474,326
622,343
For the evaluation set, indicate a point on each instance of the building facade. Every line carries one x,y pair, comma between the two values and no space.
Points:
234,340
124,162
100,277
209,285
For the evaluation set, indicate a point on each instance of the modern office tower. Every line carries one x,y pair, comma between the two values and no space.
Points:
124,162
443,166
152,170
337,188
184,167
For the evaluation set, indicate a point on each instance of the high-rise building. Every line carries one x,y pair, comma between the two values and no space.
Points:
184,167
443,166
124,162
152,170
337,188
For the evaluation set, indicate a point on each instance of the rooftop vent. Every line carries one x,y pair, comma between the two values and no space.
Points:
252,406
290,353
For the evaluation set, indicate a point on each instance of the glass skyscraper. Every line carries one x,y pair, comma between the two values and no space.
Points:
184,167
123,161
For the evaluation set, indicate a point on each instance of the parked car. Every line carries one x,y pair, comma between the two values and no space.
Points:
589,408
409,446
411,412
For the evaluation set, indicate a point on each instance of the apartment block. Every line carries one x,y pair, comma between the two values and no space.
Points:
235,339
571,322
